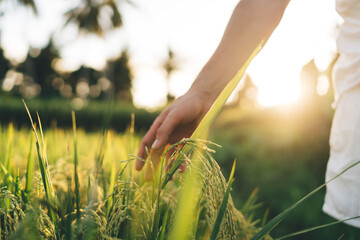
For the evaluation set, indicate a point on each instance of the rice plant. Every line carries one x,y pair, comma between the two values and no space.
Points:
68,205
133,209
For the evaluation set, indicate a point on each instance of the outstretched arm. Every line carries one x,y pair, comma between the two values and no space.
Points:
252,21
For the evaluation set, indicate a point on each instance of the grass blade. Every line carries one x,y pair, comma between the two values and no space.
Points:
164,225
76,176
8,178
316,228
202,128
276,220
190,192
9,147
29,168
112,179
43,169
186,207
222,209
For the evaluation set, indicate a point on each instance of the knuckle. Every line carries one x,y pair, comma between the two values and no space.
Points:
160,132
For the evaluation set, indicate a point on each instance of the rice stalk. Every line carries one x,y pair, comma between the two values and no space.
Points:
133,213
222,209
9,136
43,168
276,220
201,130
315,228
8,179
76,177
213,188
36,224
191,193
10,212
91,224
29,170
112,178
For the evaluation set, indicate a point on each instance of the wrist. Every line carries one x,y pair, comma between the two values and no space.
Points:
211,81
203,93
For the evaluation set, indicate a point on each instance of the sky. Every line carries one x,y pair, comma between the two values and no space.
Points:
192,29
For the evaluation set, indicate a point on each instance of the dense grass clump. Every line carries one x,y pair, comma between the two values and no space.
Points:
40,198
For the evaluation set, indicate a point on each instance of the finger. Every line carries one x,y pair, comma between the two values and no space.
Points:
165,130
169,152
182,167
172,155
147,141
169,159
155,156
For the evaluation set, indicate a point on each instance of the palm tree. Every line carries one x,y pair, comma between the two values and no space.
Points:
87,15
4,64
39,69
170,65
120,74
29,3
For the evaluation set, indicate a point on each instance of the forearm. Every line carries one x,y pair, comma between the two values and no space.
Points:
252,22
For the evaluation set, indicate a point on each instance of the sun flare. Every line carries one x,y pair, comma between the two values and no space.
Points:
273,96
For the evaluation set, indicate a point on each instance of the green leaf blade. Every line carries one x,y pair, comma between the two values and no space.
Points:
203,127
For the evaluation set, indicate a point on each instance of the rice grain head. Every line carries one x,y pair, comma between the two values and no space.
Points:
36,224
11,212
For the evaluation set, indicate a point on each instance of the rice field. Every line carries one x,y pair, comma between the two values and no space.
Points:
70,184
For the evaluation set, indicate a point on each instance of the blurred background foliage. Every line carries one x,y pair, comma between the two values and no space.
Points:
281,151
281,154
56,92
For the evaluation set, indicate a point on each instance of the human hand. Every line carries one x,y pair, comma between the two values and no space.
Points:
176,122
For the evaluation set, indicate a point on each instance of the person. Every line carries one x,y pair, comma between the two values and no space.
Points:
252,22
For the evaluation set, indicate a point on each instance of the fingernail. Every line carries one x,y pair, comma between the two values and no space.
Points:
156,144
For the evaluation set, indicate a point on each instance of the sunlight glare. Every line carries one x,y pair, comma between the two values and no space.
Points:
323,85
297,40
278,94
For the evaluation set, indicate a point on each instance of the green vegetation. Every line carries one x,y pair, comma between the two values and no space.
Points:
74,194
82,185
282,153
124,207
56,112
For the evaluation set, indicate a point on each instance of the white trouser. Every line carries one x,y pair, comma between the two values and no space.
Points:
342,198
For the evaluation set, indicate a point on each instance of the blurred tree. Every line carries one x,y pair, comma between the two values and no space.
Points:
120,74
37,68
4,64
29,3
81,81
309,79
37,72
328,74
170,65
96,16
246,97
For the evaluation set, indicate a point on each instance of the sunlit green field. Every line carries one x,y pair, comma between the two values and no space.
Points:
282,158
72,184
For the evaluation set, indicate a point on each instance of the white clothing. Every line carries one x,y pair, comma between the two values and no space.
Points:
349,32
346,71
342,198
